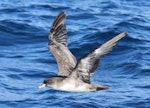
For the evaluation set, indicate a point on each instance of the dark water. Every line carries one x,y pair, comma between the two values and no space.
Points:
25,60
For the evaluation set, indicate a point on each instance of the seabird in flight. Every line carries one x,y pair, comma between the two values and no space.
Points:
74,75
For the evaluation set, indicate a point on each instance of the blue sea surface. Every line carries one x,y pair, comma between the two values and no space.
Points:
25,60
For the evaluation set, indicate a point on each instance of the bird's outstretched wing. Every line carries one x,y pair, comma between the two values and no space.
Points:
89,63
58,46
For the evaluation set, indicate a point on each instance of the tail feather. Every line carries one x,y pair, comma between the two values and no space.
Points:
96,87
101,87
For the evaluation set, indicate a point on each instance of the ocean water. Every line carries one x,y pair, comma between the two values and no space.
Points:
25,60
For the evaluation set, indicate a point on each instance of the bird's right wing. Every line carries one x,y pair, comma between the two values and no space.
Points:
89,63
59,48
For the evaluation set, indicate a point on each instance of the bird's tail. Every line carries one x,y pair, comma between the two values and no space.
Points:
101,87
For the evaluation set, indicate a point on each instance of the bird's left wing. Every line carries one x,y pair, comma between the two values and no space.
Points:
89,63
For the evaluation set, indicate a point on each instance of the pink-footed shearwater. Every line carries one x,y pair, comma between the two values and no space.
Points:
74,75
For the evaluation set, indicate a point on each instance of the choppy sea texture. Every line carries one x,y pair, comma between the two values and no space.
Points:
25,60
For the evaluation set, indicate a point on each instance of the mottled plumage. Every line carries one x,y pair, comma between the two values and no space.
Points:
73,75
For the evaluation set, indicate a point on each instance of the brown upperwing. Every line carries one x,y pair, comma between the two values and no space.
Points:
58,46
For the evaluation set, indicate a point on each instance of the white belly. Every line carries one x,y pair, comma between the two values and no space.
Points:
72,86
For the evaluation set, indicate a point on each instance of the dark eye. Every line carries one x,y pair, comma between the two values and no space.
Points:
45,81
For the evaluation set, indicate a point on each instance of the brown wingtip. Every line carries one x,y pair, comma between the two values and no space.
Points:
60,19
62,12
125,32
122,34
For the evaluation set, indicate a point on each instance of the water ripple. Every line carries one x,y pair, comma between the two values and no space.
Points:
25,60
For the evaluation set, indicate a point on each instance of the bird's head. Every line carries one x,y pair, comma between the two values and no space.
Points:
46,82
